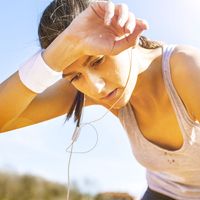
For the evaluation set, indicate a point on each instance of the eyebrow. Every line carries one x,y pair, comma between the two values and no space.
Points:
85,63
67,74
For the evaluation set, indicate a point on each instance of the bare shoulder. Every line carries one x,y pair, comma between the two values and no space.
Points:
185,71
185,53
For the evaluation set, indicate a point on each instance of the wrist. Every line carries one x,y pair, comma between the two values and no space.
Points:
62,52
36,75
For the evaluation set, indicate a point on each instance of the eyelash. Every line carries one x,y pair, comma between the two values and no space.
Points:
76,77
92,64
97,62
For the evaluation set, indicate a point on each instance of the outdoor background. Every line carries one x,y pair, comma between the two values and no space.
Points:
40,149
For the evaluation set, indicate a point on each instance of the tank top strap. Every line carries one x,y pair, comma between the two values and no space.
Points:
176,101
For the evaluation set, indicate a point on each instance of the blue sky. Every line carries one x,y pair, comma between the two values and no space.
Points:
40,149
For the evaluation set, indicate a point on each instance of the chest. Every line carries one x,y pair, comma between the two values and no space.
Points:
161,127
158,122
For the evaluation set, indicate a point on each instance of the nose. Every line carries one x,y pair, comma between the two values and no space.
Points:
95,82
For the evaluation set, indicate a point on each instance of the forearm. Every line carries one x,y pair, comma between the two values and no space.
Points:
53,102
15,96
14,99
63,51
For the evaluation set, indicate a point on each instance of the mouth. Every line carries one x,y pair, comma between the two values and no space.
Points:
111,94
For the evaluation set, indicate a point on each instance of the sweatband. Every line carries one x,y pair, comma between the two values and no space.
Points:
36,75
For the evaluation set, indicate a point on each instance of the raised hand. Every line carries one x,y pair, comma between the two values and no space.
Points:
106,29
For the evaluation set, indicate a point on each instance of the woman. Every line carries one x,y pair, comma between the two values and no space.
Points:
152,88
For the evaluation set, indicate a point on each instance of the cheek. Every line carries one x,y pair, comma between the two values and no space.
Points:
122,74
82,87
122,69
79,86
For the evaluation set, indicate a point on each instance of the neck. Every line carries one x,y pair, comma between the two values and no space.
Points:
143,58
147,62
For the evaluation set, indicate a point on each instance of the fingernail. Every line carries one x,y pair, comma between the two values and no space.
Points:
130,28
145,24
121,23
108,20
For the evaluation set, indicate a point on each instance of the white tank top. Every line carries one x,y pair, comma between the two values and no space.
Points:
173,173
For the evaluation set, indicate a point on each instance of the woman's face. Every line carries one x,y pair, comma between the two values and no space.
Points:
104,78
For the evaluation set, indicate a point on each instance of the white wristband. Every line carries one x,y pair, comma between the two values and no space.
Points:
36,75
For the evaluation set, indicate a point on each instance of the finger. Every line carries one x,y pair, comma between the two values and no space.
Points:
131,40
110,12
143,24
123,14
130,24
140,27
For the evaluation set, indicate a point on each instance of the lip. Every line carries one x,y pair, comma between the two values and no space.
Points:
111,94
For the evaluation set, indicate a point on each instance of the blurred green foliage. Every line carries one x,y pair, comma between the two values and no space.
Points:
28,187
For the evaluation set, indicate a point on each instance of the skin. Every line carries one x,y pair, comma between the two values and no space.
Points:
103,74
73,43
145,89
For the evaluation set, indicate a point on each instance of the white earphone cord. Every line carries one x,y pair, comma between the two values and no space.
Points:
78,129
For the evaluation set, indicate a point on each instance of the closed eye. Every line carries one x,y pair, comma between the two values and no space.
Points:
97,61
75,77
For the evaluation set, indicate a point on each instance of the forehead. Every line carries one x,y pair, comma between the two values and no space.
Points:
86,60
81,62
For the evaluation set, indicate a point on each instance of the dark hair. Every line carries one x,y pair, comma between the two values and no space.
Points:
56,18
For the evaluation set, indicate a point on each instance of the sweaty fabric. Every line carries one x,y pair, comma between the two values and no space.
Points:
173,173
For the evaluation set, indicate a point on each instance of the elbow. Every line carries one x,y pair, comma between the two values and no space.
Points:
16,124
4,129
9,126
